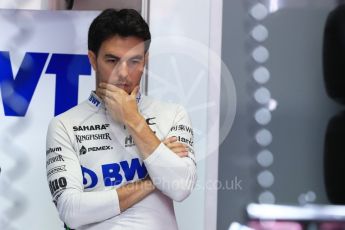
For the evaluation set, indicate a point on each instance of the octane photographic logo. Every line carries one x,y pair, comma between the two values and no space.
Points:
187,72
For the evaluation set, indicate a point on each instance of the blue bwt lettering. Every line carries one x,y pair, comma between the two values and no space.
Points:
112,174
66,67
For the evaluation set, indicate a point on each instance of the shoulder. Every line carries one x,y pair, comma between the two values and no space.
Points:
75,112
71,116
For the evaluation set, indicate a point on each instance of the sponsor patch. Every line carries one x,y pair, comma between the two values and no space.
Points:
83,150
53,150
56,169
185,140
58,185
183,128
129,141
89,137
54,159
90,127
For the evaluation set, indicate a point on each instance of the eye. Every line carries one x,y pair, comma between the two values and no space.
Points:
112,60
135,61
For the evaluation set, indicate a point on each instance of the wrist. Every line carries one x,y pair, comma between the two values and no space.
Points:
135,121
148,184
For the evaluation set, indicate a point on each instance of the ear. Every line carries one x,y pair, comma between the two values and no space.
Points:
92,59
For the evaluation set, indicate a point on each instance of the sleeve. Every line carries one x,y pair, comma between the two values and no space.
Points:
64,176
171,174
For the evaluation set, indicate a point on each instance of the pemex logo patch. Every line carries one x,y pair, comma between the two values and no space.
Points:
82,150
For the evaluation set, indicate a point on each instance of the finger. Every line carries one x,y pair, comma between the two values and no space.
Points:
100,92
105,85
107,94
166,141
178,145
169,140
182,154
135,91
103,93
178,150
173,139
110,87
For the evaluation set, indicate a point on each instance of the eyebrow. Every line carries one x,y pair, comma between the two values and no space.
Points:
111,56
139,56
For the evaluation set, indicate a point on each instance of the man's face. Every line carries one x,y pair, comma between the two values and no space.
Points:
120,61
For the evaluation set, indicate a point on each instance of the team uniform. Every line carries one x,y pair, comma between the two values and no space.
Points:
89,155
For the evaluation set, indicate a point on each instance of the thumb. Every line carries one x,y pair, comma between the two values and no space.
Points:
135,91
166,141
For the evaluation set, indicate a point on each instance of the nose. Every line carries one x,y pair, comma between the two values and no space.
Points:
123,69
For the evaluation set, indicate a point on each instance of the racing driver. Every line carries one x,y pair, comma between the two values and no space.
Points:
119,159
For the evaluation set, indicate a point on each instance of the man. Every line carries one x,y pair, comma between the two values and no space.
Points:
119,159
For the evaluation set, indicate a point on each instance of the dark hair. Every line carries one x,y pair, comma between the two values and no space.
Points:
125,22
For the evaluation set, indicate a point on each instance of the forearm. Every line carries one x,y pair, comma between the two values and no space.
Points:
77,208
133,193
171,174
144,138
